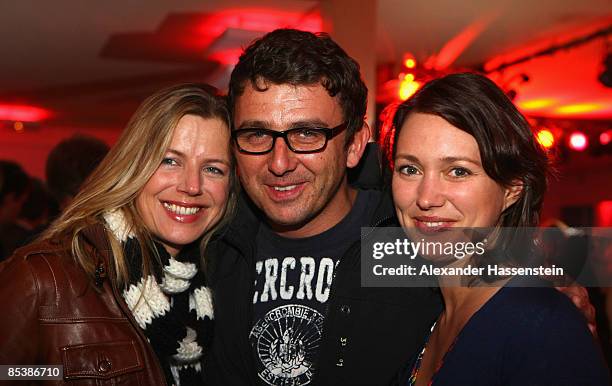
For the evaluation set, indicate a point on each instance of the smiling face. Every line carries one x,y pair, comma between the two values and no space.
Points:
300,194
439,181
188,192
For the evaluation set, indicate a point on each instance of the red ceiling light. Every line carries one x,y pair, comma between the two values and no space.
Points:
605,137
408,86
25,113
578,108
258,19
224,33
19,127
409,61
535,104
545,138
578,141
264,20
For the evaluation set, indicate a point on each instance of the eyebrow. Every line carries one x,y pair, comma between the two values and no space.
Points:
315,122
411,158
465,159
208,160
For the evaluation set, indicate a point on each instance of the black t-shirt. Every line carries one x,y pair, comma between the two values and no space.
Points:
292,286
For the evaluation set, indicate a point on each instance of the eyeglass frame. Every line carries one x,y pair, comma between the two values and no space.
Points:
329,132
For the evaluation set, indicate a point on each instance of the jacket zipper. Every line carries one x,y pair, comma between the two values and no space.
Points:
331,288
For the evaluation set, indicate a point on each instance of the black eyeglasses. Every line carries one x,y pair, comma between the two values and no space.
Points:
299,140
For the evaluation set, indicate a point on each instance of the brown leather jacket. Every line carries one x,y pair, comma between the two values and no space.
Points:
53,313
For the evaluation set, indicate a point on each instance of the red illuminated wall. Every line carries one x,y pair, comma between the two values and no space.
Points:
604,214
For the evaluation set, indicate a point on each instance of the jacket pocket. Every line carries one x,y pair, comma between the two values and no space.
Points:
112,363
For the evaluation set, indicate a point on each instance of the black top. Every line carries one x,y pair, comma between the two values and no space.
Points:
368,333
293,279
523,336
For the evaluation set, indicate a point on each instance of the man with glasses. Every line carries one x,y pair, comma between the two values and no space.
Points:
289,306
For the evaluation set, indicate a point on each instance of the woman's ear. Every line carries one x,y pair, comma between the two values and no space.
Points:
357,146
513,193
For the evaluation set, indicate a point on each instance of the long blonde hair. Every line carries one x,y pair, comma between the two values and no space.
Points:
117,181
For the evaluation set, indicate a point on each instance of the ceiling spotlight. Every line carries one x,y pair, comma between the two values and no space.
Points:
605,138
578,141
545,138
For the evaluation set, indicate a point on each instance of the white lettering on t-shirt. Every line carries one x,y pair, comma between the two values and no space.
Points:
308,272
286,292
326,272
294,278
270,283
258,267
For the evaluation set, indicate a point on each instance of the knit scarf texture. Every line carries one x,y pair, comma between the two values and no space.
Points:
172,306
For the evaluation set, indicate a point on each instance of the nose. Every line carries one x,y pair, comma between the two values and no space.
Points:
191,181
282,160
430,192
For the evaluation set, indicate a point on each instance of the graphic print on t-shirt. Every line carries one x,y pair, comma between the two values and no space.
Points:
286,339
293,281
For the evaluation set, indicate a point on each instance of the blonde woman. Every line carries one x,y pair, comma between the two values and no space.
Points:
114,290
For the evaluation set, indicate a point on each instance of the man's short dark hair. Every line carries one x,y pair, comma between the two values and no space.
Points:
70,162
289,56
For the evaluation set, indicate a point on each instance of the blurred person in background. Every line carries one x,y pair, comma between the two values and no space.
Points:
32,219
113,289
13,193
69,163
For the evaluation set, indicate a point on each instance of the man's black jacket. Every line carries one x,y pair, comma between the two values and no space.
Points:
368,335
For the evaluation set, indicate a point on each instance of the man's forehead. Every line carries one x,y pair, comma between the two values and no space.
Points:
286,104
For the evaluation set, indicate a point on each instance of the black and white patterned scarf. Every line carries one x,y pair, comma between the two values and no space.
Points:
173,307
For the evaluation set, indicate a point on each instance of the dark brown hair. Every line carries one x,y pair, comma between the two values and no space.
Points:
289,56
508,149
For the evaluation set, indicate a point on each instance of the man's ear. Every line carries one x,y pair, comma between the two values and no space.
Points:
357,146
513,193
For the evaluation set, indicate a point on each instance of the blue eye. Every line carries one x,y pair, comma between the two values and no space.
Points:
460,172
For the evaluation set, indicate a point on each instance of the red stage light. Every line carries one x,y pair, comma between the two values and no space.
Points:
249,21
409,61
259,19
578,141
605,137
18,126
23,113
545,138
408,86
